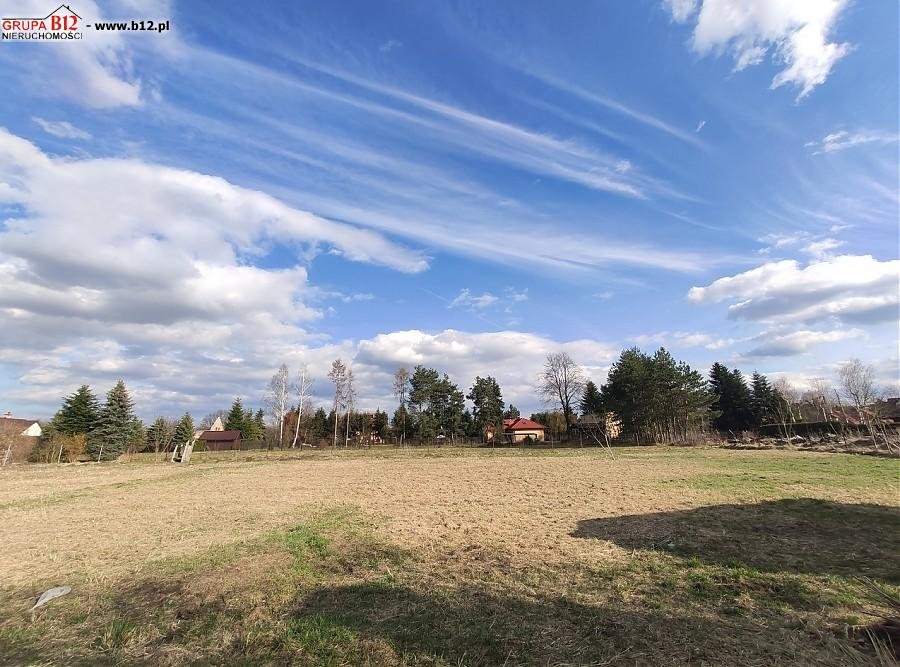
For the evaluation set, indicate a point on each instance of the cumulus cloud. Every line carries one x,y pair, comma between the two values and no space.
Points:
682,339
60,128
842,140
796,342
123,268
797,34
847,288
514,358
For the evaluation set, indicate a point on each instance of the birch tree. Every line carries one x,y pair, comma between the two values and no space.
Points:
302,391
277,399
338,377
857,382
401,389
349,400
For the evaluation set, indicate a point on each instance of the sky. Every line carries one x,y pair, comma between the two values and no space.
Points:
464,185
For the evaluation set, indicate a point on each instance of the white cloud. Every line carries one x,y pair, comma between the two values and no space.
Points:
682,339
848,288
465,299
60,128
97,71
514,358
516,296
842,140
797,33
390,45
700,125
124,268
681,10
770,344
822,248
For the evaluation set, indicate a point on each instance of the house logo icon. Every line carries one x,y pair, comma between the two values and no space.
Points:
61,23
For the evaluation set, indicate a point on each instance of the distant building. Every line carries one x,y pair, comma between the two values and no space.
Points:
220,440
18,436
593,427
216,426
518,430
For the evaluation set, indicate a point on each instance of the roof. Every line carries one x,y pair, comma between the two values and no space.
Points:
13,425
521,424
213,436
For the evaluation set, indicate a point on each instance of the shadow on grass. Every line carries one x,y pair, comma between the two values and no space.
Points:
811,536
472,626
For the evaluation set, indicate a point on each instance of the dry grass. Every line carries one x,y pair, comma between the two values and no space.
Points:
661,556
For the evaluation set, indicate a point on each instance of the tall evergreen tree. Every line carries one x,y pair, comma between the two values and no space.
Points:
657,399
318,427
80,413
487,403
234,421
184,430
159,435
732,410
116,426
591,400
435,404
763,400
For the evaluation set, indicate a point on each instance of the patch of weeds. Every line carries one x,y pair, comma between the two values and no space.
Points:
114,636
319,637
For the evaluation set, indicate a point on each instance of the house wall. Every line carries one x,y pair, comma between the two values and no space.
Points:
519,436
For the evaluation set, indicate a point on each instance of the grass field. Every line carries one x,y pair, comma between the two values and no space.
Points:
661,556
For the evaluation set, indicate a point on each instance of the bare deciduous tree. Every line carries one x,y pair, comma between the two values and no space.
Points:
349,400
338,377
302,391
561,383
858,385
277,399
401,388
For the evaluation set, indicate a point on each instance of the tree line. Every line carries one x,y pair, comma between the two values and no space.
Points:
654,398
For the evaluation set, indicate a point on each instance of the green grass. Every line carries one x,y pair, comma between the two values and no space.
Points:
760,574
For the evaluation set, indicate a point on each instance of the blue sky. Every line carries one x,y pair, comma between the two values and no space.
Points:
465,185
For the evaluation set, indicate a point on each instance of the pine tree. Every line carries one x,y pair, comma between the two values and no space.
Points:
763,400
732,410
487,403
318,427
591,400
184,431
159,435
512,412
115,430
234,421
79,413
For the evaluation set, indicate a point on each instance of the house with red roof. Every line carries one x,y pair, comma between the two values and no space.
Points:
519,430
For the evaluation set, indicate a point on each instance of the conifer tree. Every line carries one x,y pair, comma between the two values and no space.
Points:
184,431
79,413
116,426
763,400
487,403
591,400
159,435
732,408
512,412
234,421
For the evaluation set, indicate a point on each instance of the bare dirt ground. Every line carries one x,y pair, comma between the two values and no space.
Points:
556,528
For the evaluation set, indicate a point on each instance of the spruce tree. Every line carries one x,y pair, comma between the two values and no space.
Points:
487,403
184,431
763,400
159,435
234,421
591,400
732,409
116,426
79,413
